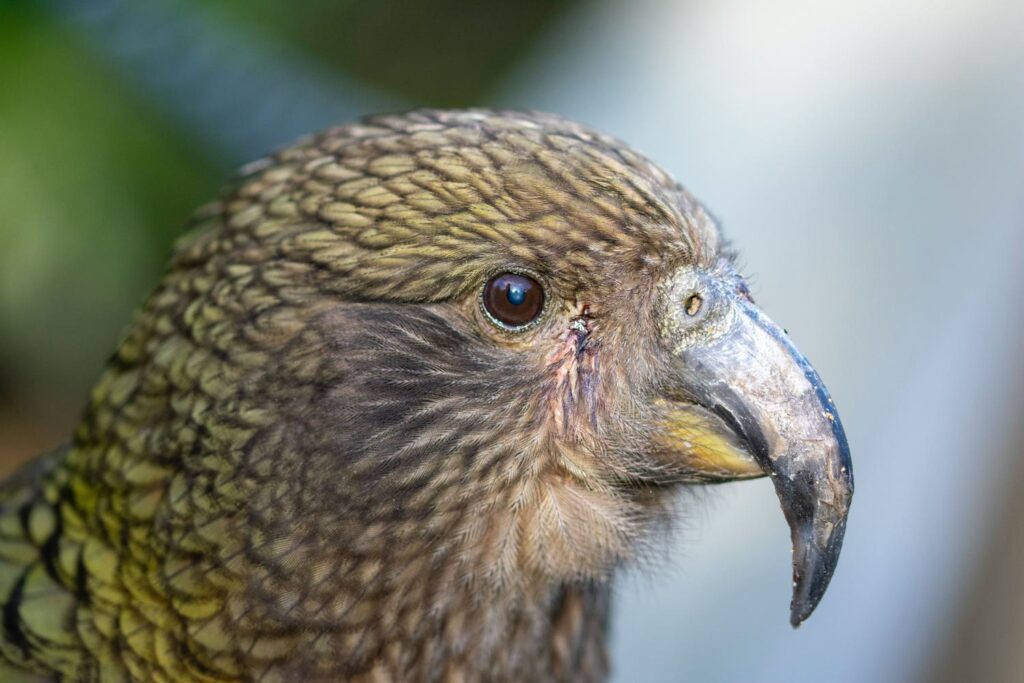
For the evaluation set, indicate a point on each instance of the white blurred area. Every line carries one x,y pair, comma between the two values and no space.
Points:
868,160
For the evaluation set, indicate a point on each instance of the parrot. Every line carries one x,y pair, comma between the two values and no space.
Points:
407,399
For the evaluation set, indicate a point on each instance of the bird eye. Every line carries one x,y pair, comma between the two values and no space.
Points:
513,301
694,304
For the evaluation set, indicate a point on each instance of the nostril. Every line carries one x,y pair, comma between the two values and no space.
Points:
693,304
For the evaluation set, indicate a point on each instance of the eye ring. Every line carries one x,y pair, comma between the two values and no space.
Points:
513,300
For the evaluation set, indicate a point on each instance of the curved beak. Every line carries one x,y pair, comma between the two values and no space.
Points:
761,398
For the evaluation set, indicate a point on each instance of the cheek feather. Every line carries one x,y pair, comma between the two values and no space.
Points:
573,395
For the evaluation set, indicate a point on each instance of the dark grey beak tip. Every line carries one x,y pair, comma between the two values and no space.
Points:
812,574
813,566
815,495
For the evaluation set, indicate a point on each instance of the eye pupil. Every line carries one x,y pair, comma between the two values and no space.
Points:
693,304
516,294
512,300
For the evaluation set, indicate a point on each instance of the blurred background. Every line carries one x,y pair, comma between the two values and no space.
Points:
867,158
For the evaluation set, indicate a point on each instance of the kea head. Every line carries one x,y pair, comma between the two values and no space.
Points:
481,347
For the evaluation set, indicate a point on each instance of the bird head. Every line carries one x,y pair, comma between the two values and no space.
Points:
497,338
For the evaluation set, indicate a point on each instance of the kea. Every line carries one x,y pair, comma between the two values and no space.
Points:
408,397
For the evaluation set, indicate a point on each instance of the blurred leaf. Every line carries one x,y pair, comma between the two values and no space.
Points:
93,188
432,52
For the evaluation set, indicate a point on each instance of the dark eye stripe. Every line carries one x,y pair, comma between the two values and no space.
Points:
512,300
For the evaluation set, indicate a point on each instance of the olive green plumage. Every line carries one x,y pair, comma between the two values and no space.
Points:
313,458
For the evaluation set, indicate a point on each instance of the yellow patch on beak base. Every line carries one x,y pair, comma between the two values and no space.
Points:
710,451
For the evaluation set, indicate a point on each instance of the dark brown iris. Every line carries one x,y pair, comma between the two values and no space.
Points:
513,300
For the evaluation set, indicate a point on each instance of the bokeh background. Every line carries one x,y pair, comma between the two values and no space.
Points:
867,157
